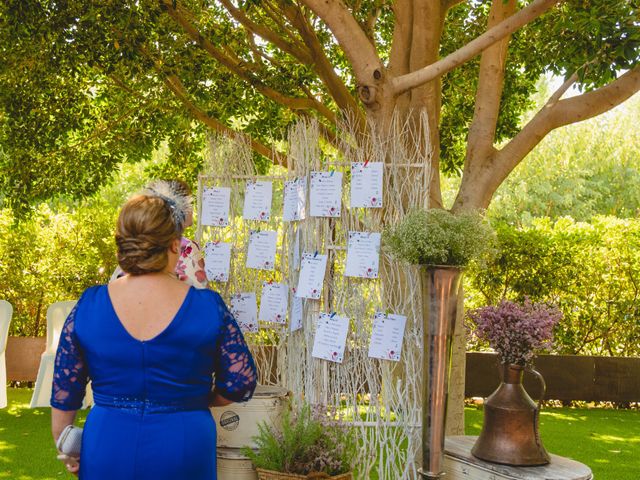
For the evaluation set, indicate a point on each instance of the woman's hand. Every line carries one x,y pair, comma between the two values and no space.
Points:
72,464
217,400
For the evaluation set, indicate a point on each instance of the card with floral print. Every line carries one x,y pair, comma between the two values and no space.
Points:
274,302
387,336
215,206
257,200
261,253
244,309
331,337
217,259
363,255
366,184
325,195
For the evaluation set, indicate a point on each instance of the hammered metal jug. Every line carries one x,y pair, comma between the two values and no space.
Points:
510,433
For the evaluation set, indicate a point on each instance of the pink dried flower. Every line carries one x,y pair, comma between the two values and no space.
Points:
516,331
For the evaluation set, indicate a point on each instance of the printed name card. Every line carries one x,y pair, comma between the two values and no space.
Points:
295,318
217,258
295,200
274,302
386,336
257,200
363,255
244,309
326,194
312,270
366,184
262,250
331,337
215,206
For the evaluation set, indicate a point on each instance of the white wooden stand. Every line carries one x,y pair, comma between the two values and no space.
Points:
461,465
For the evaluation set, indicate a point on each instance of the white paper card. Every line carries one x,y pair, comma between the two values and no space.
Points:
244,309
295,200
331,337
262,250
295,318
363,255
274,302
326,194
386,336
312,269
217,258
366,184
215,206
257,200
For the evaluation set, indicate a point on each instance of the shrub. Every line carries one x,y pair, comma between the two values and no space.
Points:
310,441
438,237
591,271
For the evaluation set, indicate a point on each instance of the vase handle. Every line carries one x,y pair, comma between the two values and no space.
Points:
539,376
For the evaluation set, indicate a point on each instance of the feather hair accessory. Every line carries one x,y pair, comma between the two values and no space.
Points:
178,202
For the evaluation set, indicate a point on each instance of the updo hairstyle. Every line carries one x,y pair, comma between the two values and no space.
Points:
145,230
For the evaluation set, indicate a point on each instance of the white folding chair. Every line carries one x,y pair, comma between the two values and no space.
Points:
6,311
57,313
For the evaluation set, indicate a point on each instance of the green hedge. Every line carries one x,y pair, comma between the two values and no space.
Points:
590,270
51,256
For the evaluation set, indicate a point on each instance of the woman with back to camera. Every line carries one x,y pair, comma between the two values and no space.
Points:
150,344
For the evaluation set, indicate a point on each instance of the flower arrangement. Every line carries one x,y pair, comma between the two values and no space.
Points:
516,331
311,442
438,237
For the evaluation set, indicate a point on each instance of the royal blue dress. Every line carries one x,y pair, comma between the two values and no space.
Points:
150,420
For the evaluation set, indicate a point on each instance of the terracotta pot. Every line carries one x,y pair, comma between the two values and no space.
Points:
510,433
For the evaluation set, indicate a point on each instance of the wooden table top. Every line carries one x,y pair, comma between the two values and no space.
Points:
458,449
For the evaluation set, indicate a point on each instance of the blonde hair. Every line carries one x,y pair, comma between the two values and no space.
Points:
145,230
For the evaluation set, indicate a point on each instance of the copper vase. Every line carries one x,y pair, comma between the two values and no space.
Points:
510,434
440,292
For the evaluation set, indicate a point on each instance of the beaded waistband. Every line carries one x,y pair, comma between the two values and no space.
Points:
146,405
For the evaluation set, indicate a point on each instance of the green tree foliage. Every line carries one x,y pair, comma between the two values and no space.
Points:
53,256
588,169
61,249
590,270
86,85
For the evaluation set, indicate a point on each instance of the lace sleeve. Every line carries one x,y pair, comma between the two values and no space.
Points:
235,371
70,372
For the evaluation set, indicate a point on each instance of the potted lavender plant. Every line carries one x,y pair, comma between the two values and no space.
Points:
309,444
517,332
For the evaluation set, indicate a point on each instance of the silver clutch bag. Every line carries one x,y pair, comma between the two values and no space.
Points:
70,441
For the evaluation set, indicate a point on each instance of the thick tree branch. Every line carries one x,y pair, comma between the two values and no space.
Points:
557,113
490,86
476,190
473,48
557,95
292,48
174,84
400,44
354,41
293,103
323,67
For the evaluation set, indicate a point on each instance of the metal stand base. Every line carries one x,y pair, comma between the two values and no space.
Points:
430,475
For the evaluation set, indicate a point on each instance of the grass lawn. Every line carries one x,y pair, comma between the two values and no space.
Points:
606,440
